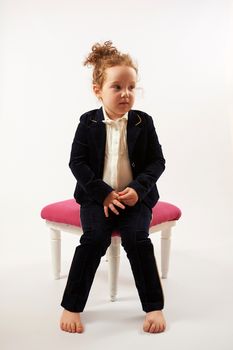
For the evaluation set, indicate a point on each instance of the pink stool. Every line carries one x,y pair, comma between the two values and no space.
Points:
64,216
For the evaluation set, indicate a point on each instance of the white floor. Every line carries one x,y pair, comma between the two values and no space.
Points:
198,305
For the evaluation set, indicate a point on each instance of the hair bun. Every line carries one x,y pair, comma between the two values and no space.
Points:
103,56
100,52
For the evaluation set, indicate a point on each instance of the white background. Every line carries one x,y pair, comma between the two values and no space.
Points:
184,53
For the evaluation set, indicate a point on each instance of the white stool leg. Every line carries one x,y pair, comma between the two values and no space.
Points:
114,262
107,254
165,250
55,236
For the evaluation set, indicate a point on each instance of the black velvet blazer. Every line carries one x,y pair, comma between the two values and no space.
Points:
88,151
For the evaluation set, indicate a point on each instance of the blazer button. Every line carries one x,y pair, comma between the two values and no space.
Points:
133,165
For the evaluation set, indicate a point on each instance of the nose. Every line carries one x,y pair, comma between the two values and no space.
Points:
125,93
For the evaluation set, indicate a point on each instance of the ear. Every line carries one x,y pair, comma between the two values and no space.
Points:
97,90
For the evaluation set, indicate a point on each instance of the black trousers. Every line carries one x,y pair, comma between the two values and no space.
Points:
133,225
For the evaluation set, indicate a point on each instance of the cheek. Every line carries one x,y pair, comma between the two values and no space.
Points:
132,97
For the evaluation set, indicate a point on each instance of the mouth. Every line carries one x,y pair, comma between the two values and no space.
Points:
124,103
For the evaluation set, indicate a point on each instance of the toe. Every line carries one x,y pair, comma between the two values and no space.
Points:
73,327
146,326
152,328
79,328
65,327
69,328
161,328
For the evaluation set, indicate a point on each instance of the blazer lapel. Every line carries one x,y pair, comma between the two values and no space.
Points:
98,132
133,130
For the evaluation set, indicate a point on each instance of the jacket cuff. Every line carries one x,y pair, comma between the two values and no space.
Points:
139,189
99,191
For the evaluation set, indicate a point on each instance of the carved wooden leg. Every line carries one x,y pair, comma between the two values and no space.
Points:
165,250
114,262
55,236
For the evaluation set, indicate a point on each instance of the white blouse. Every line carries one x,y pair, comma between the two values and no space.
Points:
117,170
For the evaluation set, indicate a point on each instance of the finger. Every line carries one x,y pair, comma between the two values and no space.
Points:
111,206
124,191
119,204
121,193
124,196
106,211
129,203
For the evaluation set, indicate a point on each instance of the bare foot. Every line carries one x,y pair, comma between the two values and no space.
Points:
71,322
154,322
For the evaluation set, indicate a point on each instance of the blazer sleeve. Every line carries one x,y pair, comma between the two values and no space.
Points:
95,187
155,164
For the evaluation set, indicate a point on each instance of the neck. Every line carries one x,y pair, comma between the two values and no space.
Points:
113,117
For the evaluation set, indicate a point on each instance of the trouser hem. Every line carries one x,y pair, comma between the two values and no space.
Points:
152,307
71,308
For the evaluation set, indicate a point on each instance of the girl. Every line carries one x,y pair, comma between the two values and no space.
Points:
116,159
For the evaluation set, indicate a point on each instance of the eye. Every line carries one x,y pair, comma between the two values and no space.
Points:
132,87
117,87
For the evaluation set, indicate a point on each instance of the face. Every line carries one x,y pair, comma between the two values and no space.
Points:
118,90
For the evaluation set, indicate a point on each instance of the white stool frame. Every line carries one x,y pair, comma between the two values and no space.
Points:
113,251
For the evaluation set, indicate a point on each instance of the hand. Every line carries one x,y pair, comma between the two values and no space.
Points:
128,196
110,201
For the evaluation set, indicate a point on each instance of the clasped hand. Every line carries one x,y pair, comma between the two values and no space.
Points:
117,199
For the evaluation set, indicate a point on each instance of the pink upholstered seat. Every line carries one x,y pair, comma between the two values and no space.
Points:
65,216
68,212
65,212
